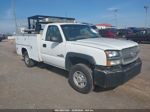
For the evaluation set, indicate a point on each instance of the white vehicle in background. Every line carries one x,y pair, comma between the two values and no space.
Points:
77,48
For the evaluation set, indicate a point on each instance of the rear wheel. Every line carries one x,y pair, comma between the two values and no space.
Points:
28,62
80,78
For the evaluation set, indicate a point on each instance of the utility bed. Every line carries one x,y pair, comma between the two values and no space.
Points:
30,42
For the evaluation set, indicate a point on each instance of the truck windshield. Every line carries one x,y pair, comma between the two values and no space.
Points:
78,32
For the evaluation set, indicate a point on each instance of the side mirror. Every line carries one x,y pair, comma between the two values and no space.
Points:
56,39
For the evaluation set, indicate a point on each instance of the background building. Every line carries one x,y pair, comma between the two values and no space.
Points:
104,26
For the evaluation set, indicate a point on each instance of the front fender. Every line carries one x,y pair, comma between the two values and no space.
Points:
69,55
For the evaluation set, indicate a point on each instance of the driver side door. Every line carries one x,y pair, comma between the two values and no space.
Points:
53,47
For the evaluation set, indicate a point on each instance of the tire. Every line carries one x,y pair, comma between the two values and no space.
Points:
28,62
83,74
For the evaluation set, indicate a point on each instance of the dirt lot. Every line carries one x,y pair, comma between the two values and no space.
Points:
46,87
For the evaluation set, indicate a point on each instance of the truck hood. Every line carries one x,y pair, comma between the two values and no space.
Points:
106,43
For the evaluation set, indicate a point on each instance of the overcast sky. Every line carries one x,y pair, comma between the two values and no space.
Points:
130,12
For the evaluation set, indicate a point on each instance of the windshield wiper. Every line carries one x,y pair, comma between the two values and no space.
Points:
84,38
81,38
78,39
96,37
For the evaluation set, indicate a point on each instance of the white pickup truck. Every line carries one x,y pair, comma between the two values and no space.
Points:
90,59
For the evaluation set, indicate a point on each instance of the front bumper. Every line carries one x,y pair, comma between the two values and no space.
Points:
114,76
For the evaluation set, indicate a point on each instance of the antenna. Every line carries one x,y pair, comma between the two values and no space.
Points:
14,15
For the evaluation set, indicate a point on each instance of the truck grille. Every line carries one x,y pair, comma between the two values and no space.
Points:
130,55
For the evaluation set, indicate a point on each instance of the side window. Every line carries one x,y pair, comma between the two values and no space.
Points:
53,31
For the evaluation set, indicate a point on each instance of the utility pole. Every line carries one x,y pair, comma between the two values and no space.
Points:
66,14
116,17
146,15
14,15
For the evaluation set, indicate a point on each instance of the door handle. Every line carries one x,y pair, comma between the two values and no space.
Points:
44,45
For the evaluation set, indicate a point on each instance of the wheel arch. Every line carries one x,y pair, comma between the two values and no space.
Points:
76,58
23,50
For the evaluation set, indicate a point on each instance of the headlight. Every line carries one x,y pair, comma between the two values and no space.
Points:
112,54
113,62
113,58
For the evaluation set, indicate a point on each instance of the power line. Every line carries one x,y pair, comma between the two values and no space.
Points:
14,15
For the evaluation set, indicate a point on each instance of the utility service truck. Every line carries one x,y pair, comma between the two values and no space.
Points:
90,59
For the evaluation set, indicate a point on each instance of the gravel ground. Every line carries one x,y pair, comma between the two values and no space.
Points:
46,87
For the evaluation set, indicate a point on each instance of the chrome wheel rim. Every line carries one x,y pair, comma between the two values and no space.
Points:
26,59
79,79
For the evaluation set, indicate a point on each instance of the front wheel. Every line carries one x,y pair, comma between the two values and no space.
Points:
28,62
81,79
